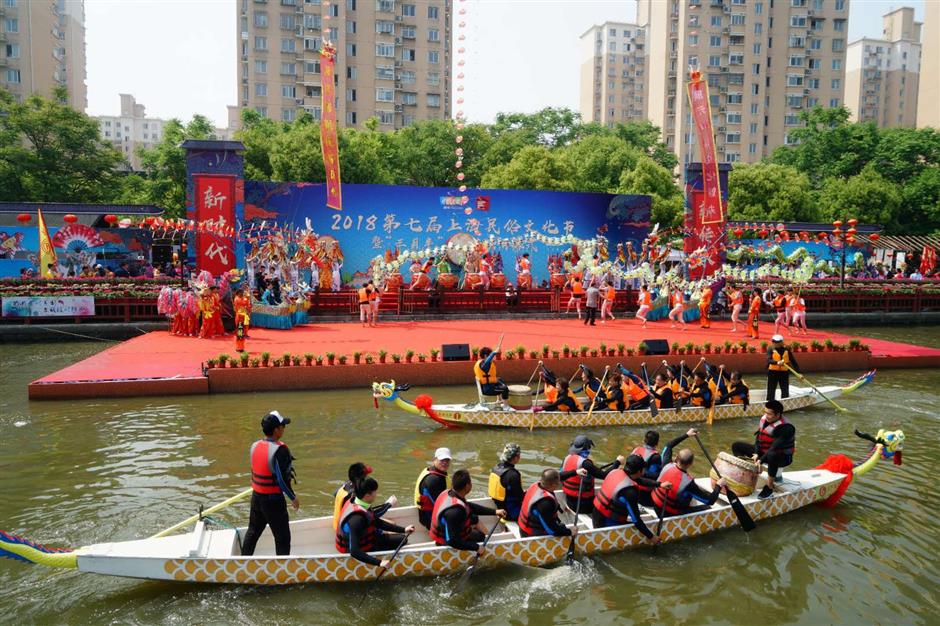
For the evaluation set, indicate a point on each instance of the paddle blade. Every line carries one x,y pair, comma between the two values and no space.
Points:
744,518
464,579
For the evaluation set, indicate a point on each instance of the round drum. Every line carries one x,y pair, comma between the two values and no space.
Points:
520,397
447,280
473,281
559,280
525,281
420,281
498,281
741,474
393,282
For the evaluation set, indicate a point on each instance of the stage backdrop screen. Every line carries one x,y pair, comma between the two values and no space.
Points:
376,218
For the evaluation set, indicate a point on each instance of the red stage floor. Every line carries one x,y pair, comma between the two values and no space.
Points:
159,355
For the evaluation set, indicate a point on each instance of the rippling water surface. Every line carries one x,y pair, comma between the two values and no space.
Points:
77,473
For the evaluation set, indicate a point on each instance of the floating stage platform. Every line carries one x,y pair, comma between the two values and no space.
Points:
160,364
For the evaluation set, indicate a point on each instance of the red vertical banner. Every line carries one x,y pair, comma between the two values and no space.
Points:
328,142
214,204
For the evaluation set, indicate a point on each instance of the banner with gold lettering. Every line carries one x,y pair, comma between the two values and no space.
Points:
328,141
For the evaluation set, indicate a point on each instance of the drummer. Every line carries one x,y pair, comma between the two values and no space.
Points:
360,531
505,486
774,444
485,372
575,482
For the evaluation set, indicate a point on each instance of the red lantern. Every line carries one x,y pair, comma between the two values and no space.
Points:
149,220
23,218
762,233
853,222
821,236
70,218
874,237
110,218
851,231
738,232
785,235
837,224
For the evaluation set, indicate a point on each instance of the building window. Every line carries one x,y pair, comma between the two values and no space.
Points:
408,32
814,64
384,26
613,32
261,67
350,118
833,103
287,21
737,19
434,56
836,84
11,25
407,54
733,138
313,67
261,89
408,10
350,5
798,21
350,49
288,91
840,5
794,101
312,20
351,95
261,43
813,83
384,95
311,43
791,120
735,59
716,21
288,45
838,45
794,80
714,60
693,40
385,5
733,117
13,50
797,41
433,13
262,111
261,19
735,98
13,76
434,79
434,34
758,7
385,50
434,100
386,118
407,77
289,69
386,72
351,27
409,97
796,60
714,41
815,44
838,25
288,115
752,148
837,64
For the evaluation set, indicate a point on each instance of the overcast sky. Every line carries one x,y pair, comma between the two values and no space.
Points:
178,57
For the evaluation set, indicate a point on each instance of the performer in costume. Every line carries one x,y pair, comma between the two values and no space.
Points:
486,266
217,329
242,304
205,310
677,307
337,280
525,272
737,302
645,300
607,305
799,314
753,314
704,307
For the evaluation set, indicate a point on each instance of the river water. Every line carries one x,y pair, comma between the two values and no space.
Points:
83,472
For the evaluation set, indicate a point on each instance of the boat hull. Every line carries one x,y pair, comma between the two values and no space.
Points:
425,559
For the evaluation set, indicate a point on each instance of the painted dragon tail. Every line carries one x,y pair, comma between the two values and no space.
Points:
22,549
860,382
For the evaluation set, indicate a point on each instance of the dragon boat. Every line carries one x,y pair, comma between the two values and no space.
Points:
211,553
491,414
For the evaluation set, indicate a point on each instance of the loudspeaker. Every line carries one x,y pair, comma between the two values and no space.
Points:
455,351
656,346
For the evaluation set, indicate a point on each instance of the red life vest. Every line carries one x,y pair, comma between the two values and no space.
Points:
570,485
673,498
262,462
532,496
765,436
367,541
438,530
616,481
647,453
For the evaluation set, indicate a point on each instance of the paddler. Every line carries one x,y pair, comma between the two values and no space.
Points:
778,358
617,501
357,473
432,482
654,460
638,396
559,397
505,486
737,391
360,531
774,444
662,391
701,393
271,473
453,518
590,385
682,488
540,509
614,393
485,372
579,459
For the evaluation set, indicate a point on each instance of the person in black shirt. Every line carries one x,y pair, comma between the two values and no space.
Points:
505,485
662,392
539,514
774,444
455,520
359,529
617,501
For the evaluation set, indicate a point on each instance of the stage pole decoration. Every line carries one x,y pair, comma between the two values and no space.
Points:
707,223
328,142
46,250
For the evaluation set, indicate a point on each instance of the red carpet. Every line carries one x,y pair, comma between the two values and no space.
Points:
160,355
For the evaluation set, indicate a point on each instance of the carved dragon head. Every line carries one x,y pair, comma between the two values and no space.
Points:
388,391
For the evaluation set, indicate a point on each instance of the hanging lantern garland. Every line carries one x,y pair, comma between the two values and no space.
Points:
459,119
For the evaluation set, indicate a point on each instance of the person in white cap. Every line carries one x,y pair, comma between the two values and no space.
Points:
271,473
779,358
432,482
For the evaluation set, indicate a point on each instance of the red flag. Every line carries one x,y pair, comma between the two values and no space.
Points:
328,142
928,260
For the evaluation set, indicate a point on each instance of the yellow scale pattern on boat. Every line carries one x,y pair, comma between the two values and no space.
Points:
561,419
535,551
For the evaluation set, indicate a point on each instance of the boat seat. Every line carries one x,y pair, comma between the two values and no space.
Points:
513,528
484,400
222,543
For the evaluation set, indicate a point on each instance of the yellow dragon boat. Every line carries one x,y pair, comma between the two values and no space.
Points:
490,414
210,554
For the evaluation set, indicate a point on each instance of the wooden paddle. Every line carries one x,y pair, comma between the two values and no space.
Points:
825,397
711,410
577,511
746,521
654,410
600,389
659,526
533,374
469,571
535,400
211,509
401,545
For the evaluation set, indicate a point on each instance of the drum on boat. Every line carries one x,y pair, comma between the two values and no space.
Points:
498,281
741,474
559,280
472,281
520,397
447,280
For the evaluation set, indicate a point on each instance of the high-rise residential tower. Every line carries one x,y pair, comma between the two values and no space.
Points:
928,96
765,61
881,75
613,73
393,59
42,46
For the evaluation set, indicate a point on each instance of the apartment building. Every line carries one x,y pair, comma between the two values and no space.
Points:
613,73
393,59
764,60
42,46
928,96
881,75
131,129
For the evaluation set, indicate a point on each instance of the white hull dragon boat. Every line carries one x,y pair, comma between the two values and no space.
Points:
212,555
489,414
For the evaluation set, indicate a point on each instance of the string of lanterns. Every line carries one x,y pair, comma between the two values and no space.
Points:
459,119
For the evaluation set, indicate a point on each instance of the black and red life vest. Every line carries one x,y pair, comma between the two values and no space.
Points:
534,494
367,540
262,466
448,500
765,436
570,485
647,453
674,498
613,484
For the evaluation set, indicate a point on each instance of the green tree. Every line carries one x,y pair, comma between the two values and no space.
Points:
767,191
366,156
258,133
294,152
868,197
651,178
548,127
597,162
49,152
647,137
920,206
534,167
424,154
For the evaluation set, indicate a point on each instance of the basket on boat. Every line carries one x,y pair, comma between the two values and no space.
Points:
741,474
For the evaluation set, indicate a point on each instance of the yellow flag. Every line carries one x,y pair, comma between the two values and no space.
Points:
46,251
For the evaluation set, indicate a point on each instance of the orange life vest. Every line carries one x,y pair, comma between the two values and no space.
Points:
262,462
570,485
615,482
534,494
674,499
